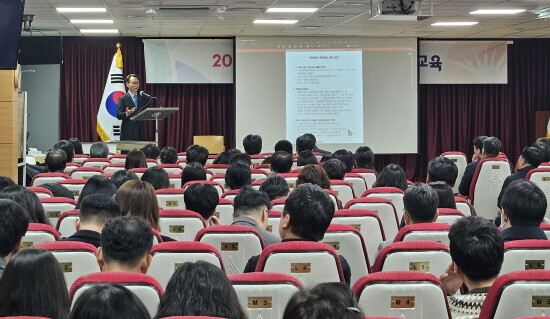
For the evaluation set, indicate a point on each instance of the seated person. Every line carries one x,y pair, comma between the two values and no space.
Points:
477,251
364,158
151,151
77,145
56,160
237,175
391,176
490,147
281,162
203,199
252,144
523,209
99,150
193,172
240,157
13,226
122,176
284,145
67,147
308,142
196,153
346,157
276,187
307,215
5,182
125,245
306,158
95,211
442,169
58,190
168,155
335,168
252,210
157,177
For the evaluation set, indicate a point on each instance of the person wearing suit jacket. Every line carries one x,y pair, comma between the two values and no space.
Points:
129,105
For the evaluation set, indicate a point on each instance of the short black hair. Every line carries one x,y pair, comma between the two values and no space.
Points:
477,247
252,144
196,153
478,142
275,186
5,182
58,190
168,155
442,169
544,140
364,157
97,184
305,143
222,158
237,175
491,146
240,157
248,201
126,240
68,147
283,145
346,157
281,162
421,202
311,211
335,168
157,176
151,151
532,156
193,172
56,160
306,158
98,209
13,225
122,176
545,149
524,203
201,198
77,145
99,150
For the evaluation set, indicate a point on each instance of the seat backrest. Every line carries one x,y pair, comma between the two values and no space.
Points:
70,166
170,198
425,256
174,180
264,167
258,174
348,242
236,244
113,168
230,194
171,168
517,294
343,189
357,182
257,183
424,231
79,158
55,206
224,211
95,162
117,159
66,223
39,233
403,294
75,186
217,168
220,179
526,254
367,174
367,222
448,216
41,192
392,193
334,197
464,206
180,224
486,185
75,258
278,204
218,186
85,172
461,161
169,256
541,177
138,171
44,178
257,159
145,287
273,222
264,295
385,210
290,179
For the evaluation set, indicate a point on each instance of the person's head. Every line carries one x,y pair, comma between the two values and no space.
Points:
445,194
56,160
96,210
364,157
13,226
193,172
200,289
77,145
201,198
132,83
240,157
531,156
523,204
283,145
34,285
275,187
168,155
544,140
421,202
545,149
252,144
442,169
331,300
151,151
5,182
306,158
281,162
238,175
346,157
252,203
335,168
491,147
477,249
125,245
29,201
138,198
58,190
307,214
313,174
391,176
478,144
67,147
122,176
222,158
196,153
109,301
97,184
135,159
99,150
157,177
305,142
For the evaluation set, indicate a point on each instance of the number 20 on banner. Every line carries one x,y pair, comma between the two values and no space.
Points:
225,60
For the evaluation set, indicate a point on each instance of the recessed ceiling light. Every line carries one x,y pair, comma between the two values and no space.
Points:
92,21
498,11
81,10
275,21
451,24
99,30
291,10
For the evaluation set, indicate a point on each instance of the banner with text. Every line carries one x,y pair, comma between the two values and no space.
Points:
463,62
189,60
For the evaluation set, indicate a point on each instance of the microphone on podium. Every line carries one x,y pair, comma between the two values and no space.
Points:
146,95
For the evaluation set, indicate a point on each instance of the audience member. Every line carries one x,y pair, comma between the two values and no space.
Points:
56,160
125,245
67,147
545,140
313,174
478,147
99,150
545,149
77,145
13,226
138,198
281,162
364,158
193,172
477,251
283,145
306,158
238,174
391,176
240,157
135,159
346,157
335,168
445,194
442,169
490,147
252,209
196,153
29,201
168,155
151,151
275,186
58,190
122,176
97,184
305,143
222,158
202,199
315,149
95,211
157,177
5,182
200,289
252,144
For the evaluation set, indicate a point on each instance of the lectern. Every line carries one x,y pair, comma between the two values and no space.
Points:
154,113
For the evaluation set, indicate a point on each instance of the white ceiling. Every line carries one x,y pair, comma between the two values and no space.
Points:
335,18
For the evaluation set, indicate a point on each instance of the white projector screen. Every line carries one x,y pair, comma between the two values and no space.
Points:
349,92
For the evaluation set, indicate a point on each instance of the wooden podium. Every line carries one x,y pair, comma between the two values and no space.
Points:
11,128
541,121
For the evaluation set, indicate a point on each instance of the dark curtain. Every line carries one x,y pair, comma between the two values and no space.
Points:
205,109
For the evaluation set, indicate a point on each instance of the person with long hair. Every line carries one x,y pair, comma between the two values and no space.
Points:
135,159
29,201
313,174
33,285
97,184
391,176
138,198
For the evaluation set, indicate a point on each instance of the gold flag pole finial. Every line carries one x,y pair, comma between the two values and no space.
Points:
118,45
118,55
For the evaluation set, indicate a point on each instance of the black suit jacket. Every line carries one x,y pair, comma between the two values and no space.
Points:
464,187
519,175
131,130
